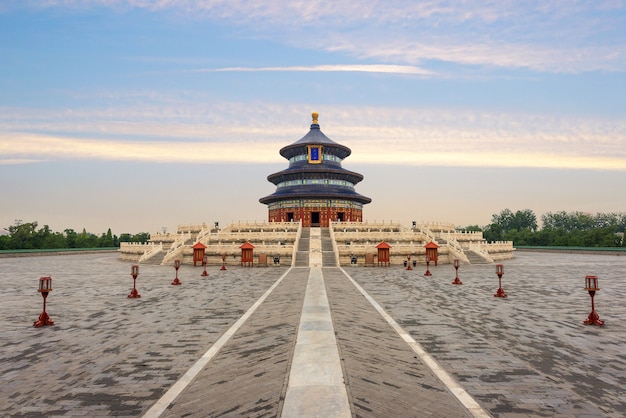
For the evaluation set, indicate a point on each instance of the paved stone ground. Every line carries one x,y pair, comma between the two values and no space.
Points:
248,376
526,355
107,355
384,376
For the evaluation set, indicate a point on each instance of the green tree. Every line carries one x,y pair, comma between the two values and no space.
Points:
70,238
107,240
23,236
86,240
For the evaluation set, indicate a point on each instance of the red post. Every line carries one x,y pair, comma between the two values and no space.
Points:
428,273
176,266
204,263
45,287
500,271
456,267
408,262
134,271
223,262
591,283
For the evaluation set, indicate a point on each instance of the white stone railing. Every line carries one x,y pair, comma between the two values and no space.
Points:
176,249
425,230
467,235
263,227
135,246
204,234
247,236
455,249
149,253
172,254
191,228
499,246
346,227
437,226
477,247
296,243
158,237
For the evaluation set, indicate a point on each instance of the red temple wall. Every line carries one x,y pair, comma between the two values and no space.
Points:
306,215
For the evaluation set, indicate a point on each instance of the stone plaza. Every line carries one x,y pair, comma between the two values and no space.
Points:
395,333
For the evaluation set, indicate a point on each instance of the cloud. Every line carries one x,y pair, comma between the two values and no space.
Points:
180,132
50,147
492,53
558,36
372,68
17,161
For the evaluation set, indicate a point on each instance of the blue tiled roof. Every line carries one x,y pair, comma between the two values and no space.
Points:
326,169
314,171
314,192
315,137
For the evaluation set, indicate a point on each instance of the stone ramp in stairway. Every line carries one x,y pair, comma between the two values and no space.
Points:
329,258
157,259
475,258
302,253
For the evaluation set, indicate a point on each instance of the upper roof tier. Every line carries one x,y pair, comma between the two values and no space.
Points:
315,137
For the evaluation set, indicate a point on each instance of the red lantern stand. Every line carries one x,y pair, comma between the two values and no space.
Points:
383,254
592,286
45,287
456,267
223,262
204,263
134,271
500,292
176,282
408,262
428,273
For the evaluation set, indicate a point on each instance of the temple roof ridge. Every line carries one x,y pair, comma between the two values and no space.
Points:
315,136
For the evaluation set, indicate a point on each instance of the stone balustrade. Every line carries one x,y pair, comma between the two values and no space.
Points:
349,238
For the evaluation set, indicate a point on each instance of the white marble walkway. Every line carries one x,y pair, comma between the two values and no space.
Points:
316,385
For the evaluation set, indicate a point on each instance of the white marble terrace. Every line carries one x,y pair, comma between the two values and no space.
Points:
279,239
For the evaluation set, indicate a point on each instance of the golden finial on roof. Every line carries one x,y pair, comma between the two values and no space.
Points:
315,115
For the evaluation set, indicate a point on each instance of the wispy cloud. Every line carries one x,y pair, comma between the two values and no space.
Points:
547,36
374,68
17,161
377,135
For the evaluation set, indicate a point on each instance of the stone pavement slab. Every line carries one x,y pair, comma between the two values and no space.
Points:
316,383
107,355
248,375
384,376
528,354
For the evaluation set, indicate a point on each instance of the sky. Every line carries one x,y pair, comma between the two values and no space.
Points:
141,115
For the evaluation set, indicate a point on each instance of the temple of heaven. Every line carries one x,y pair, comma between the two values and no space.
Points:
315,189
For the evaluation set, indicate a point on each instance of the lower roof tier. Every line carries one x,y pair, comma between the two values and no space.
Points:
310,172
315,192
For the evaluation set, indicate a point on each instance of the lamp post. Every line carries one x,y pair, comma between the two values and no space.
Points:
427,266
500,271
134,271
408,263
176,266
223,262
456,267
45,287
591,283
205,259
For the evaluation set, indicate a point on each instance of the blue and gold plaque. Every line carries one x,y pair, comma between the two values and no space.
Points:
315,154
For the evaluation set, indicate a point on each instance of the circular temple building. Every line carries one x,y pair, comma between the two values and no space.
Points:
315,189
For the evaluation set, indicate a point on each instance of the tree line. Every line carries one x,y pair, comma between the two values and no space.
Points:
26,236
562,229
